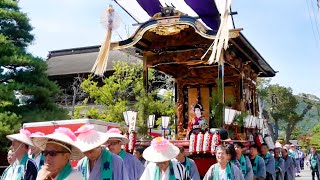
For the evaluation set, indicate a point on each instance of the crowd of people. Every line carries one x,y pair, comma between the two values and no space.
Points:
101,157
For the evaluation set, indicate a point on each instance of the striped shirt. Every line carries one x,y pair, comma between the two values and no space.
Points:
179,172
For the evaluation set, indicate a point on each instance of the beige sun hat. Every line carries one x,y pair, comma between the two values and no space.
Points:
88,138
115,134
23,136
160,150
63,137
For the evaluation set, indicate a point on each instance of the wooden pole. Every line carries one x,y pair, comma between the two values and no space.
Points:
145,75
221,88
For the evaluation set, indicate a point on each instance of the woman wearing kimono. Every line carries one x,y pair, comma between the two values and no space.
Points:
257,162
279,164
289,165
245,164
99,163
223,169
162,166
115,142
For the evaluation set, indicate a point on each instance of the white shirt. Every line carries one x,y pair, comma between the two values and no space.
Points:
222,174
179,172
74,175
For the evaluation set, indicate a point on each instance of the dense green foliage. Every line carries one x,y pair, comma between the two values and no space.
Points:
124,91
26,94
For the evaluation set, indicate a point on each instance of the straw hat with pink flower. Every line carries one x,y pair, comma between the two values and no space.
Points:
63,137
115,134
160,150
23,136
88,138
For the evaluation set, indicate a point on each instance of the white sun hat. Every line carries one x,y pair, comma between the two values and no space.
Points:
23,136
115,134
278,145
160,150
63,137
88,138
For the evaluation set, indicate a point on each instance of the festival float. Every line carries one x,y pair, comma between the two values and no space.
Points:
214,66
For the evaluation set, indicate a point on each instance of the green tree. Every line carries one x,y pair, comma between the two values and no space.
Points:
124,91
26,94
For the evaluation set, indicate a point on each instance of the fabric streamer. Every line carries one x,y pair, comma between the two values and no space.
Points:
222,37
255,165
101,63
243,164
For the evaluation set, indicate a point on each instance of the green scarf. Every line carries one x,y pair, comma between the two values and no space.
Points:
41,159
157,173
188,165
105,168
65,172
217,169
243,164
21,166
277,162
313,161
122,154
266,158
255,166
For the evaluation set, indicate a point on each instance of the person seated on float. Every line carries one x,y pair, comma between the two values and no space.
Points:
58,149
223,169
199,121
115,142
257,162
162,166
188,163
269,162
246,167
99,163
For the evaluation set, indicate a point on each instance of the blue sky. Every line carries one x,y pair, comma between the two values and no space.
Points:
280,30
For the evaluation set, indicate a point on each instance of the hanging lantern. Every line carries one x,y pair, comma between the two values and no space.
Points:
269,141
207,142
126,147
130,118
229,116
215,142
151,120
132,141
192,143
199,142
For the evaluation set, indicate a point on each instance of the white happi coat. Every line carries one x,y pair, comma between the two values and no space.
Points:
179,172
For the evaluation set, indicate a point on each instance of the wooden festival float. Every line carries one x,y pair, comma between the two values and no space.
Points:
211,62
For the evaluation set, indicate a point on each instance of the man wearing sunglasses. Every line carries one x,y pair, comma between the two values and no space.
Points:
133,165
58,149
99,163
23,168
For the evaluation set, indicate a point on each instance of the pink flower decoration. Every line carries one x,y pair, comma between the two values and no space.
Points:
114,130
25,132
85,128
66,131
37,134
160,144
